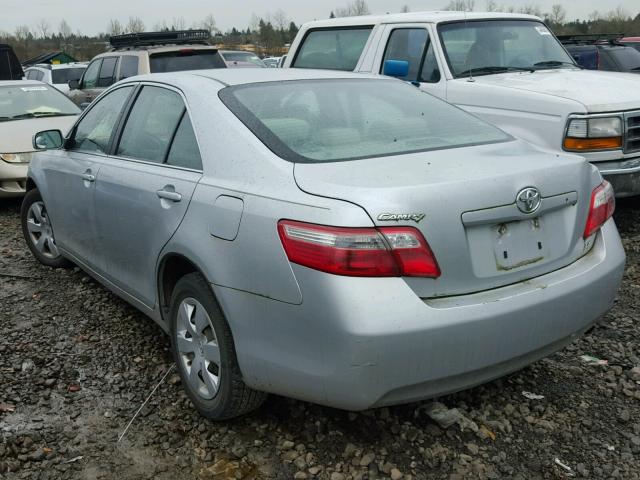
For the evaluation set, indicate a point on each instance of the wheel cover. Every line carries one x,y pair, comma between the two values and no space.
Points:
40,231
198,349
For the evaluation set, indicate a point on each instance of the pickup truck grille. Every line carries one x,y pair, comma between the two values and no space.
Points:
632,141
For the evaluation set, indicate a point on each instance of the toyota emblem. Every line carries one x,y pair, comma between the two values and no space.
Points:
528,200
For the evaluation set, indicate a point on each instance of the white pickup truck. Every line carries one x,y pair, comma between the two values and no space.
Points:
507,68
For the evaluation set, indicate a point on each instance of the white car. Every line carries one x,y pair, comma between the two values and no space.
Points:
56,75
27,107
506,68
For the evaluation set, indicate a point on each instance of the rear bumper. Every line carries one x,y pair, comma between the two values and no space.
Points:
361,343
624,175
13,177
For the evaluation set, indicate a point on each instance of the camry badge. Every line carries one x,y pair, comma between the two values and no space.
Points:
397,217
528,200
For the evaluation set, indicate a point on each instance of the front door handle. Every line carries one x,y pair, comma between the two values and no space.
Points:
88,177
169,195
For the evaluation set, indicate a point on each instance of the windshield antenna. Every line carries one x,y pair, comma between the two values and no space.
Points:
471,79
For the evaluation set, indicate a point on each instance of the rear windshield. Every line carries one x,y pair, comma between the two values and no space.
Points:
348,119
33,100
626,58
63,75
333,49
186,59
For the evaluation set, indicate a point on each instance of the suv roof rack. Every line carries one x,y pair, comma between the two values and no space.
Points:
592,39
160,38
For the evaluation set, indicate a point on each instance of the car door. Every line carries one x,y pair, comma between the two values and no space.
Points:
412,43
71,174
144,189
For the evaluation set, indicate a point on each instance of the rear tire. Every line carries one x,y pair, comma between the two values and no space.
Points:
38,231
204,353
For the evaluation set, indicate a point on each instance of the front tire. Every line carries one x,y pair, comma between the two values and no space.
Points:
38,231
205,355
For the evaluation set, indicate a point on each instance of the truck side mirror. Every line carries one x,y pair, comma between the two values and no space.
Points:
74,84
396,68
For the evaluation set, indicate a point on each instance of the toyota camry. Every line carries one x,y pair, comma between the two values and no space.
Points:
332,237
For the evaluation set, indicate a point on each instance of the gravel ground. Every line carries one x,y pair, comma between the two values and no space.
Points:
76,363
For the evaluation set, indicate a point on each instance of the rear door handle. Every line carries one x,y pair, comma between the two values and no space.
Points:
169,195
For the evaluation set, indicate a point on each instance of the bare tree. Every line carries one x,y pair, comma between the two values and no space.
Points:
64,30
492,6
461,5
405,9
353,9
280,19
44,28
558,14
114,27
594,16
618,15
209,23
178,23
531,10
135,25
160,26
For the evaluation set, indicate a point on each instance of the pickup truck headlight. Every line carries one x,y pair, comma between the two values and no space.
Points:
16,157
601,133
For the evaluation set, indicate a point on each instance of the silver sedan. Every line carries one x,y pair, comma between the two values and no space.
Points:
341,239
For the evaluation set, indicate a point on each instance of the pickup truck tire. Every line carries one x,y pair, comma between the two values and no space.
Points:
204,352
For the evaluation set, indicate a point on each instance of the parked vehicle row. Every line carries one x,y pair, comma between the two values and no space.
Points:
602,52
57,75
335,235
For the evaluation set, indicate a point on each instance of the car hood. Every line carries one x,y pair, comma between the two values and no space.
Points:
597,91
17,135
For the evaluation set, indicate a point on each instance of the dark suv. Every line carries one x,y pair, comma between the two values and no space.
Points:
602,52
140,53
10,68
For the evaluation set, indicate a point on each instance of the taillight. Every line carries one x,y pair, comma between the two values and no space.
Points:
603,204
359,252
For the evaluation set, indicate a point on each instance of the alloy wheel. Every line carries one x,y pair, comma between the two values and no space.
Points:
198,348
40,231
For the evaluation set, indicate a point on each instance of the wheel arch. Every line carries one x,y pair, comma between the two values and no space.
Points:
31,184
172,267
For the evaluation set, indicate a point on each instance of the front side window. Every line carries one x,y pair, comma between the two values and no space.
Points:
33,100
333,49
498,46
107,72
93,133
333,120
413,45
90,79
151,125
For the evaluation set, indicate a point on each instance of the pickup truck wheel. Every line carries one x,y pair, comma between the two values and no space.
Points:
205,354
38,231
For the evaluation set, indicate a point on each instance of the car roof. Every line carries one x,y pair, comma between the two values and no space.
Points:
20,83
242,76
417,17
152,49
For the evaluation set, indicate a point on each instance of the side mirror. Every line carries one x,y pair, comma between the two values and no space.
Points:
47,140
396,68
74,84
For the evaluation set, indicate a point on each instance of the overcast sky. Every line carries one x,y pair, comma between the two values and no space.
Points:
91,17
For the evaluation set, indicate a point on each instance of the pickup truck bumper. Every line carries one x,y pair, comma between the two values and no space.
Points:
624,175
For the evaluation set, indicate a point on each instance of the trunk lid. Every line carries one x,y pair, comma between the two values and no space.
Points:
480,238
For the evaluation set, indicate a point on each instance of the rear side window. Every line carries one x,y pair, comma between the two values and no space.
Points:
128,66
107,72
333,49
93,133
64,75
184,150
185,59
151,125
90,79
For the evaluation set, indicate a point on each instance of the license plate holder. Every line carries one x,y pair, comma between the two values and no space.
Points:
518,244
